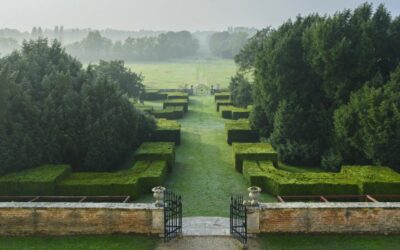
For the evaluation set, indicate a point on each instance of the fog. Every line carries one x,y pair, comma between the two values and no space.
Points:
165,14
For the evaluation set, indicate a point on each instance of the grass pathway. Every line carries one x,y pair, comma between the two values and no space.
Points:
204,174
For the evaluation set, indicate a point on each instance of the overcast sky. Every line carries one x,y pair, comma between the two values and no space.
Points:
165,14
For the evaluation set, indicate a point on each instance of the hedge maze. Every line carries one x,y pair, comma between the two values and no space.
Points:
152,162
240,131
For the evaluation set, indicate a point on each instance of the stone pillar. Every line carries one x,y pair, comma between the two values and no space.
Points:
253,220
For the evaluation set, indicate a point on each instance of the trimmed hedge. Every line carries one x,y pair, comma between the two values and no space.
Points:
154,174
155,94
221,103
36,181
280,182
240,131
253,151
177,103
170,113
157,151
351,180
374,179
167,131
140,178
177,95
234,113
145,108
222,96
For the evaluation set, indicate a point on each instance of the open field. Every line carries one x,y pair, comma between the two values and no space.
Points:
177,73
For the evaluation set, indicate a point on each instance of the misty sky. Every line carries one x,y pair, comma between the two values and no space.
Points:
165,14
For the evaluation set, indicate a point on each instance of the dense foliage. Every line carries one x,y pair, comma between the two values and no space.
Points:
54,111
241,91
165,46
322,91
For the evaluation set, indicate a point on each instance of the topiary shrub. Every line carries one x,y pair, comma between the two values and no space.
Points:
154,95
36,181
167,131
157,151
240,131
252,151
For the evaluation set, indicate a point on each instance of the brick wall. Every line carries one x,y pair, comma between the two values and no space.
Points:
23,218
298,217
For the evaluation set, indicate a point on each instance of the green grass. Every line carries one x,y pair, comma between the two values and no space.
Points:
109,242
327,242
204,173
178,73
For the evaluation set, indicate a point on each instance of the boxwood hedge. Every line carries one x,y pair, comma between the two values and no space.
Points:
351,180
157,151
176,103
253,151
36,181
167,131
140,178
240,131
222,96
170,113
234,113
177,95
222,103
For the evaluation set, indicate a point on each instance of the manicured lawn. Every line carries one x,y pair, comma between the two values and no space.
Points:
117,242
204,173
177,73
327,242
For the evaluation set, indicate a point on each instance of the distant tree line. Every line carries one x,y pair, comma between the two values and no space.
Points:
165,46
227,44
52,110
327,88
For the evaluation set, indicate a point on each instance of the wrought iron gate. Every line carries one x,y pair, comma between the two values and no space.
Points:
172,215
238,219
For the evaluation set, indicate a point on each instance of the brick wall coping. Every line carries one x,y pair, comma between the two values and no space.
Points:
100,205
281,205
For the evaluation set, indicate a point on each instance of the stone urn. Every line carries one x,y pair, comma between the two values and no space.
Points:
254,193
158,194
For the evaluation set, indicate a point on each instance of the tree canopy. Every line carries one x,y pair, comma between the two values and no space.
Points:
54,111
323,85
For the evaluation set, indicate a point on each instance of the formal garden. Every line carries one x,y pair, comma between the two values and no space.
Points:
307,113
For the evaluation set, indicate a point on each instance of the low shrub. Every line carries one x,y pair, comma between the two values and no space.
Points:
177,103
145,108
177,95
157,151
222,96
226,112
221,103
153,175
253,151
280,182
36,181
240,131
374,179
155,94
351,180
240,113
167,131
170,113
